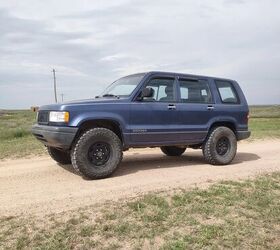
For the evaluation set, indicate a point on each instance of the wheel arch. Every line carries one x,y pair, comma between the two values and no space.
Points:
229,124
111,124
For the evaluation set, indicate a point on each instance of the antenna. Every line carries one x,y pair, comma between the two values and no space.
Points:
54,85
62,95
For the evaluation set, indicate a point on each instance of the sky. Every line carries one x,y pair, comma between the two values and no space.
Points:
92,43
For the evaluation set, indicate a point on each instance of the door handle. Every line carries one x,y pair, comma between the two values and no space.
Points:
210,107
171,106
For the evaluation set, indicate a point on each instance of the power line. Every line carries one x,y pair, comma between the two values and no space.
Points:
54,85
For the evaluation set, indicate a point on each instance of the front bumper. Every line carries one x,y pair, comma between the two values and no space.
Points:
241,135
58,137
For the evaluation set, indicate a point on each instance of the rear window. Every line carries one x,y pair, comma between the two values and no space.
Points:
193,91
227,92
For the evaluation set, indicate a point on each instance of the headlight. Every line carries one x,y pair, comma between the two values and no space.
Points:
59,116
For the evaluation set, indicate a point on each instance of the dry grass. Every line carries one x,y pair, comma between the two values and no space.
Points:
230,214
15,136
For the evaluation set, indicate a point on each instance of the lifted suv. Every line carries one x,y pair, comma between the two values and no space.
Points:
155,109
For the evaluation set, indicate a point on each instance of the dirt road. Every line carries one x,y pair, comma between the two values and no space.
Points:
40,186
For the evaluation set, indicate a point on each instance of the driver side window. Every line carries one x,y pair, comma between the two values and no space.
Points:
163,90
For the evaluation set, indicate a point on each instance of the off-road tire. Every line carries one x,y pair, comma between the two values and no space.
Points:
60,156
172,150
79,154
210,150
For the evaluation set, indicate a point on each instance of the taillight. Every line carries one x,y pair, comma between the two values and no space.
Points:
247,117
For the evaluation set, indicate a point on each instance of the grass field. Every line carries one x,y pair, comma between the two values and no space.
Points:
17,141
238,215
15,137
264,121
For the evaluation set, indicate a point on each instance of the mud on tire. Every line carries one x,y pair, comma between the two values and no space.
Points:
173,150
220,146
60,156
97,153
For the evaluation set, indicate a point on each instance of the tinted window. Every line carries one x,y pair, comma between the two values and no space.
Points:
195,91
227,92
163,90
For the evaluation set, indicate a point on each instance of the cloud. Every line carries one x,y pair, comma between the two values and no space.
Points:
92,44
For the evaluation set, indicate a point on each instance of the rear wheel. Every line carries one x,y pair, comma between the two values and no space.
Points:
60,156
173,150
220,147
97,153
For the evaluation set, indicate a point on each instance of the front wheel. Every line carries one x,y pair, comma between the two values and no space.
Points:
173,150
97,153
220,147
60,156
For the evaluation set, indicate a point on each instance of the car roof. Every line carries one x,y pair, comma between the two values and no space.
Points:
186,75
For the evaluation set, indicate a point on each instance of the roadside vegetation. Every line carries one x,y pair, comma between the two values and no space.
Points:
230,214
15,137
16,140
264,122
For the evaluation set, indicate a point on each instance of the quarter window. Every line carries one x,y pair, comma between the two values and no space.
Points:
163,90
193,91
227,92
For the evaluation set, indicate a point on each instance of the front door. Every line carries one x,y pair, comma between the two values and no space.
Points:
153,121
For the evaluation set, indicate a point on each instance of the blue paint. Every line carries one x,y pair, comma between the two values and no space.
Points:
155,123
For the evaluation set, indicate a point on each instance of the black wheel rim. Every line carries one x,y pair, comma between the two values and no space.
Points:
99,153
223,146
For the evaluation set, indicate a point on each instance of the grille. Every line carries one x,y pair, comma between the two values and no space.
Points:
43,117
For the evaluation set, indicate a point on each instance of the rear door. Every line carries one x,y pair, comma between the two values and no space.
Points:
195,109
153,121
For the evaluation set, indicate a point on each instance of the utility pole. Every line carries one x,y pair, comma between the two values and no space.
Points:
54,85
62,97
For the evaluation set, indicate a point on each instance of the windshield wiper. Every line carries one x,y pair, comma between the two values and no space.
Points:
110,95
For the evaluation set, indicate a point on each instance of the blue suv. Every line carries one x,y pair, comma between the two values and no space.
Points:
155,109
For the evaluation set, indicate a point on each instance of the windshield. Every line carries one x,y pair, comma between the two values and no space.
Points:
124,86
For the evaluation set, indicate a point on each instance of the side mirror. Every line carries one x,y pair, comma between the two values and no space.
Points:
147,92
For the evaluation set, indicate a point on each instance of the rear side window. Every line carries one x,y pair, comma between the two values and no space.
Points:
227,92
193,91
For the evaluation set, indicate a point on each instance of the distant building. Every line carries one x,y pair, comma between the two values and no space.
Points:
34,108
